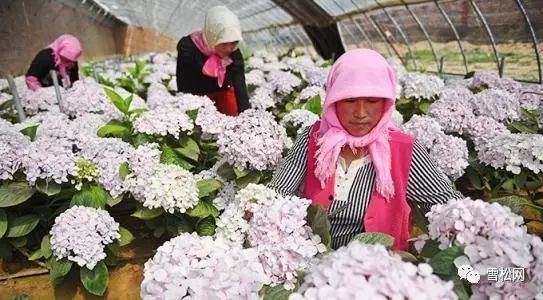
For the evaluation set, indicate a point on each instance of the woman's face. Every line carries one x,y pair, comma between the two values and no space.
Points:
359,115
225,49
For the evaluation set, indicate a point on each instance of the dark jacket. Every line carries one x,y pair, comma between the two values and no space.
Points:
43,63
190,79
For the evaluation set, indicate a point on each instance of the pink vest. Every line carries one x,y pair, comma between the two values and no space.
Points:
392,217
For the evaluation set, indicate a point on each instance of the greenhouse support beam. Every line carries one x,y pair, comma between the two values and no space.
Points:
385,38
352,20
57,89
488,33
376,28
423,29
400,30
455,32
532,34
366,37
16,98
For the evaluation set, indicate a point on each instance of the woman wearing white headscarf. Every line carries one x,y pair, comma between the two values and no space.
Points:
210,63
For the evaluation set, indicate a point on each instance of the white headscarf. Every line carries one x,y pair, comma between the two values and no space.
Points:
221,26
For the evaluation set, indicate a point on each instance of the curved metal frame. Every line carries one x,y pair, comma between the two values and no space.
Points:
532,34
489,34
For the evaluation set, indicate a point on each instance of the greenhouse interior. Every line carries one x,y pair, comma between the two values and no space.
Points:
271,149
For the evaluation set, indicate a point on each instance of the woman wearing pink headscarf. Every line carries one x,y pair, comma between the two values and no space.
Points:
62,56
356,163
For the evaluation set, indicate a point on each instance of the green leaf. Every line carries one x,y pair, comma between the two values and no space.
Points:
424,107
140,139
36,255
241,172
252,177
515,203
170,156
460,288
134,113
58,269
226,171
95,280
45,246
375,238
114,128
208,186
49,188
277,292
30,132
22,226
203,209
508,185
18,242
15,192
3,223
522,128
126,236
117,100
206,227
6,105
406,256
474,178
314,105
317,219
189,149
91,196
147,214
443,262
192,114
124,170
114,201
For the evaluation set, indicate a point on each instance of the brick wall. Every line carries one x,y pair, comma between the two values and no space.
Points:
136,40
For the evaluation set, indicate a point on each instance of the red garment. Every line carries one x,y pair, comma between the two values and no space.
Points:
391,217
225,101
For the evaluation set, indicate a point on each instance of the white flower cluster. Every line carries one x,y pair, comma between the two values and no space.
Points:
160,185
360,271
211,121
255,77
492,80
299,118
530,100
5,97
43,99
316,76
421,86
163,121
448,152
262,98
187,102
310,92
194,267
397,118
253,140
13,149
492,236
50,159
514,152
172,85
283,82
81,233
158,96
255,63
454,109
85,96
498,104
298,64
108,154
396,64
484,129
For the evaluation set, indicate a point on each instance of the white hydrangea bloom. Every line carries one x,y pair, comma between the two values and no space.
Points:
498,104
283,82
194,267
158,96
255,63
360,271
81,233
514,152
86,126
398,67
424,129
4,84
211,121
42,99
299,118
451,155
189,102
417,85
397,118
255,77
310,92
316,76
168,186
492,80
85,96
529,100
252,140
143,159
262,98
50,159
454,109
483,129
5,97
172,85
163,121
13,149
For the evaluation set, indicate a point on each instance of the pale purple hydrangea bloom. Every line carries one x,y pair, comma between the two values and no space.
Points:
255,63
360,271
483,129
50,159
283,82
255,77
164,121
514,152
316,76
454,109
187,102
172,85
252,140
211,121
262,98
85,96
421,86
424,129
158,96
81,233
13,149
491,80
194,267
450,154
498,104
310,92
397,118
299,118
42,99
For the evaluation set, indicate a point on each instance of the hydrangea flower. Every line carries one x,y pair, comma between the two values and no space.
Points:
454,109
421,86
299,118
211,121
163,121
498,104
316,76
398,67
360,271
424,129
283,82
252,140
397,118
50,159
491,80
42,99
13,149
158,96
262,98
483,129
451,155
310,92
513,152
194,267
81,233
255,77
85,96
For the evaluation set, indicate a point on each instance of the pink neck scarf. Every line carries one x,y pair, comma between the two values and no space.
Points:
214,65
65,48
358,73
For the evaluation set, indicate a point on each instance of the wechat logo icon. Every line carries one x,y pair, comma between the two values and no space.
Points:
467,272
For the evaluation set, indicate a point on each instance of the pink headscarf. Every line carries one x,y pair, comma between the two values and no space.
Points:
68,47
358,73
214,65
